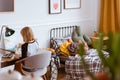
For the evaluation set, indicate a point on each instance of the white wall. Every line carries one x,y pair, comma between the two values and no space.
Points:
34,13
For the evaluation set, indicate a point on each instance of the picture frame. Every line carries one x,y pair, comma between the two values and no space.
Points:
72,4
55,6
6,5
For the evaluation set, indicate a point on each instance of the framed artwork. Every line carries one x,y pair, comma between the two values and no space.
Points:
72,4
54,6
6,5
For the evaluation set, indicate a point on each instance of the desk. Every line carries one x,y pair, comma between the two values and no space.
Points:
7,62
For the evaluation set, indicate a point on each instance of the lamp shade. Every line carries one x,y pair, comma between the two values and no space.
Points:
9,32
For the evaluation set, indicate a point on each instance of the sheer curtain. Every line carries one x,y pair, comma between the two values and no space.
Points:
109,16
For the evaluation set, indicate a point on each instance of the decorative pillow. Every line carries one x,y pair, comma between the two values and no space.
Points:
64,48
76,38
73,48
78,31
87,39
77,35
56,42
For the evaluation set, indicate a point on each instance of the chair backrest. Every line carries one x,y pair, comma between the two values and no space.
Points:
40,60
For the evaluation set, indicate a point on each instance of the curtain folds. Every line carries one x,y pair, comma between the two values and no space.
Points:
109,16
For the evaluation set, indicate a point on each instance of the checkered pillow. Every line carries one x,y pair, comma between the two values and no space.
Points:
56,42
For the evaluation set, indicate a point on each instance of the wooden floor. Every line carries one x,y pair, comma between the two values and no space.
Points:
61,74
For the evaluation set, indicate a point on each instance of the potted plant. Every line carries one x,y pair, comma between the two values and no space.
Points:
111,64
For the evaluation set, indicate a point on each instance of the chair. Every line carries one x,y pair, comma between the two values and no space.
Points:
36,64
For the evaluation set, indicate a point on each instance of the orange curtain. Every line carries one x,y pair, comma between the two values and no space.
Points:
109,16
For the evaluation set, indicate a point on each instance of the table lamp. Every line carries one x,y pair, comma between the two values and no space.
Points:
8,32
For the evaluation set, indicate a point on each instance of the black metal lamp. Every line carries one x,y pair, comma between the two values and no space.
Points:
8,31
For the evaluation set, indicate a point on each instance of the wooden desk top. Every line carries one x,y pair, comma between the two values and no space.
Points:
8,61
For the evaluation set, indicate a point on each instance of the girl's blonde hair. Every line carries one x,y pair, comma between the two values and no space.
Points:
27,34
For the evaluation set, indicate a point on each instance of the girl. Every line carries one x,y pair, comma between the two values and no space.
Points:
30,46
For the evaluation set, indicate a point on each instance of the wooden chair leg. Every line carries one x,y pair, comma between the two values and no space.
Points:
18,67
44,77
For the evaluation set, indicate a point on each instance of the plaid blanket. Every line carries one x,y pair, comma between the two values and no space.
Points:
74,68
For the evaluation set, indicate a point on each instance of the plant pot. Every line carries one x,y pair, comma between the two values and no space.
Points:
102,76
